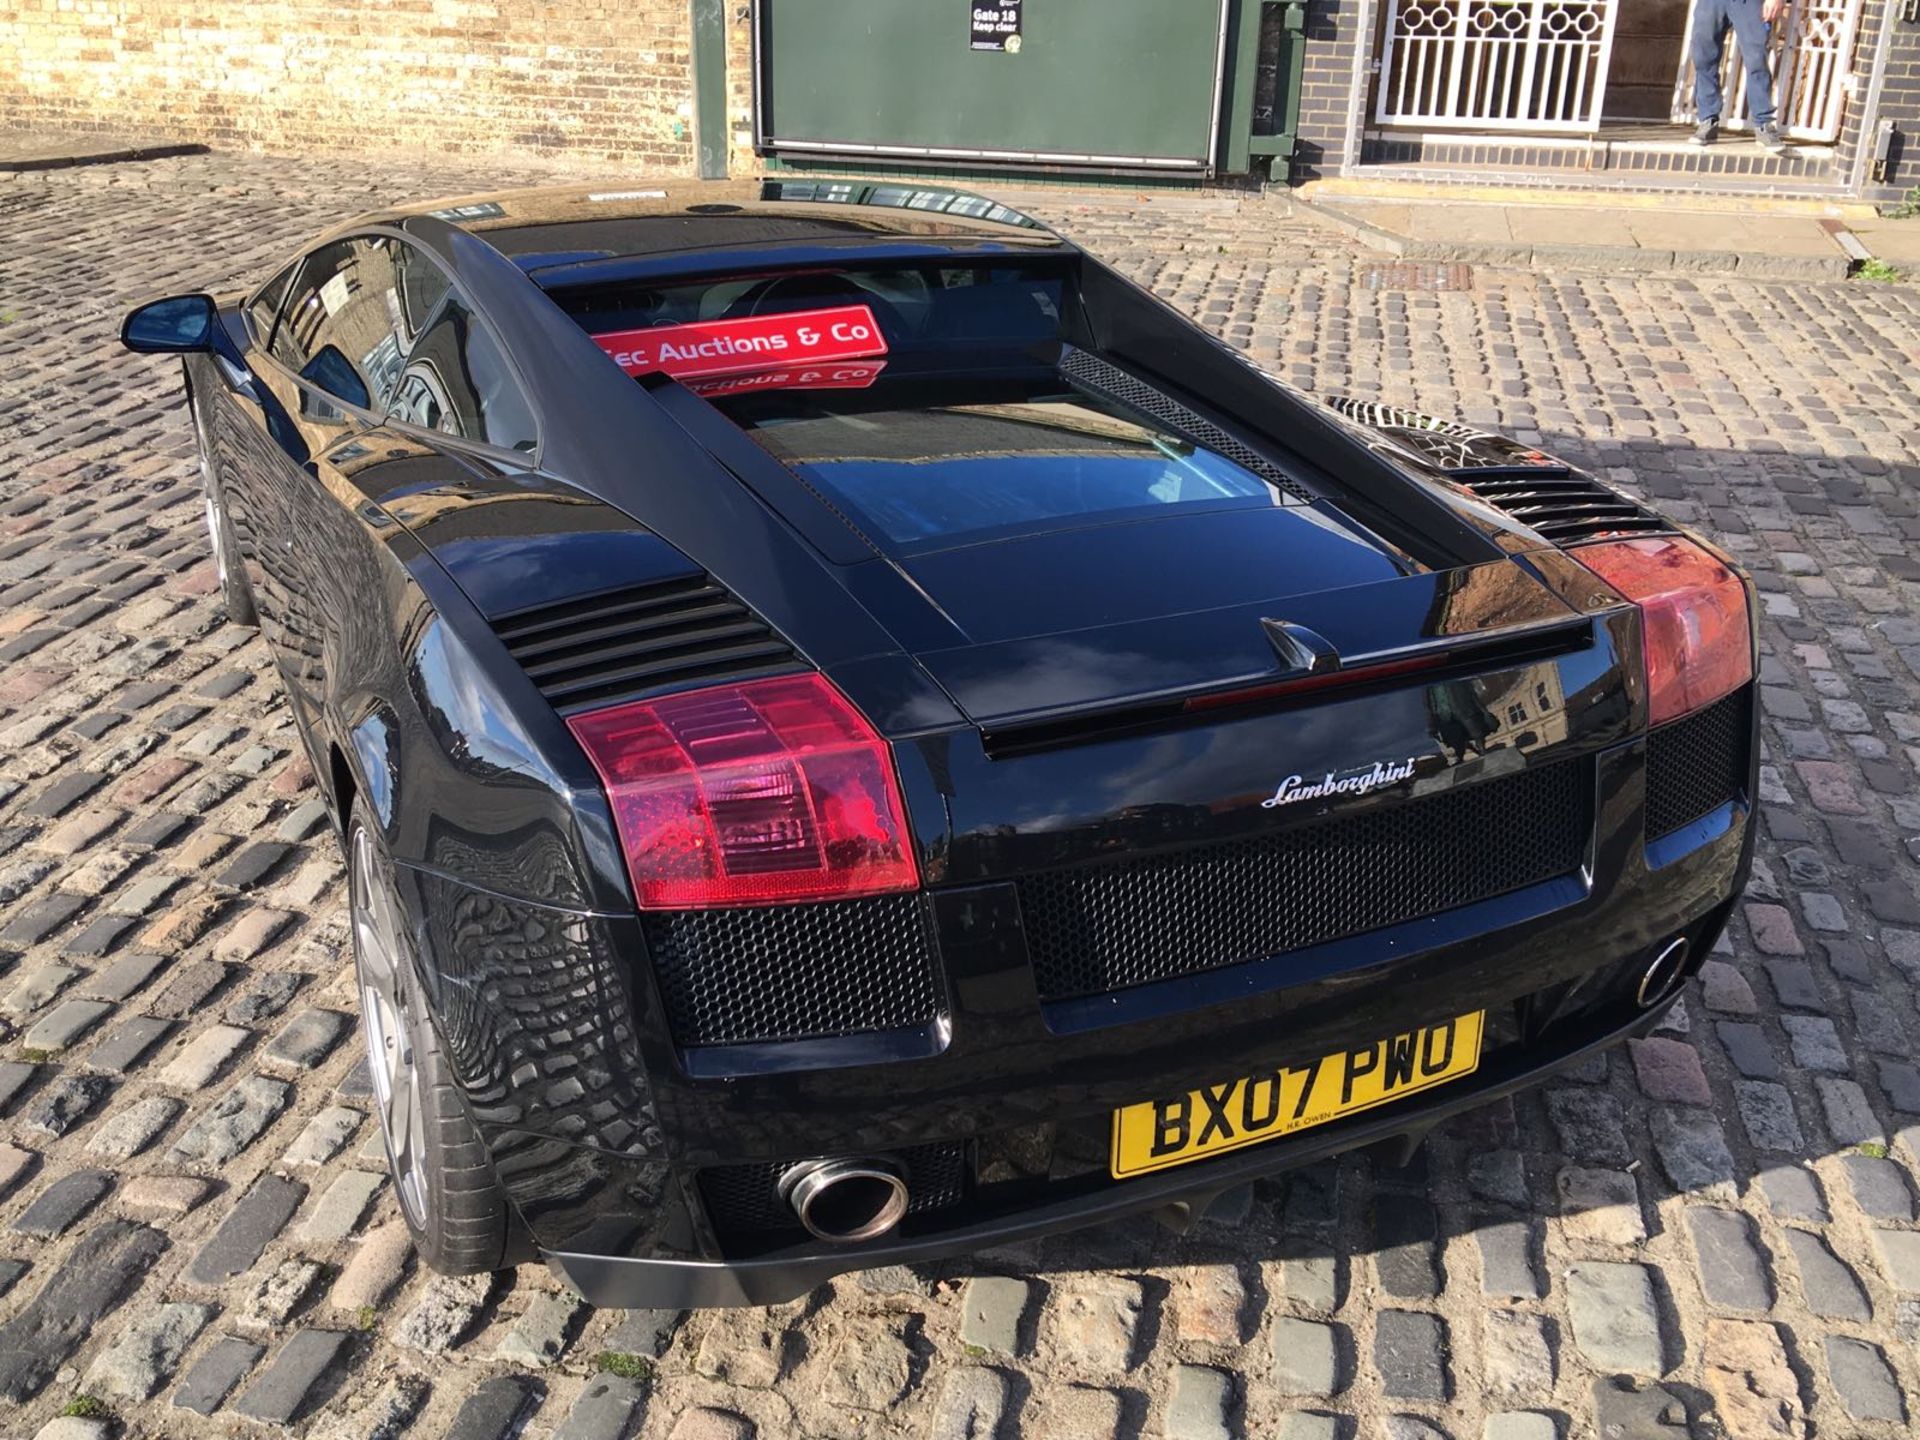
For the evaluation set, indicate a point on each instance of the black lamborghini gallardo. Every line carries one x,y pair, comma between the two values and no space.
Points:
860,734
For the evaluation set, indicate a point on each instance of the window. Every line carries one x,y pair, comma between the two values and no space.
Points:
422,285
456,381
1028,459
265,304
351,315
939,306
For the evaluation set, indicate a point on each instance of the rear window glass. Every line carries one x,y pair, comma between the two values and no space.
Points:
957,428
928,476
915,306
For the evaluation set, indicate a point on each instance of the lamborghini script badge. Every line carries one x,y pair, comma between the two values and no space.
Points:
1354,782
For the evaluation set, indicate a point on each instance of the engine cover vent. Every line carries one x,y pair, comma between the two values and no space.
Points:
1447,445
624,644
1564,505
1566,508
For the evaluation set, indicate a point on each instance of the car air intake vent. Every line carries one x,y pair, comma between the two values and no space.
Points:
1697,764
1100,927
1115,383
1447,445
622,644
1544,494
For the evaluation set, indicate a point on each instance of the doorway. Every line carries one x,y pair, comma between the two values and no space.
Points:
1570,67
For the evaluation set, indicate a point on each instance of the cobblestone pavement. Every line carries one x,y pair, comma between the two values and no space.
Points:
193,1219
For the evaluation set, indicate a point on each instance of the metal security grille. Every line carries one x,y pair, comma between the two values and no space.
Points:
1812,71
791,972
1110,380
1538,65
743,1198
645,638
1696,765
1096,928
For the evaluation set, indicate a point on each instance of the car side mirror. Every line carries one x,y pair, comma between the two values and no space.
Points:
179,324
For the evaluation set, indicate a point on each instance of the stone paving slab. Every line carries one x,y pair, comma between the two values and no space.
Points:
1895,241
1623,238
1710,1232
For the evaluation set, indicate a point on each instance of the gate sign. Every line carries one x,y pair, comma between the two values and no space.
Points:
996,27
758,342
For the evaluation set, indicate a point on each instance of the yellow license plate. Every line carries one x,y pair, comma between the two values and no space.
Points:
1159,1133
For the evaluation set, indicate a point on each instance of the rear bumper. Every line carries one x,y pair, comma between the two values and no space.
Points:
681,1284
610,1146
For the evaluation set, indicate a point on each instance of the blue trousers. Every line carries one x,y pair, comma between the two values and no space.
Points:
1711,21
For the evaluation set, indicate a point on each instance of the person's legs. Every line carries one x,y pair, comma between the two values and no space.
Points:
1751,31
1709,32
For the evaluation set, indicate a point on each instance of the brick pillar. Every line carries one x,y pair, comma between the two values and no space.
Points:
1899,102
1333,35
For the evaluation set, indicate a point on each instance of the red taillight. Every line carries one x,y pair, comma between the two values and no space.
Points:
1693,618
759,793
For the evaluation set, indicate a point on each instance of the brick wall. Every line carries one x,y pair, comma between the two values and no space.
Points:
1899,100
1326,85
600,79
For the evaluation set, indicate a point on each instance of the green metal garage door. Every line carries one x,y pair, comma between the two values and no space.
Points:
1125,83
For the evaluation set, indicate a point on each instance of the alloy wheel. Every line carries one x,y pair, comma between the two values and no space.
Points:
380,958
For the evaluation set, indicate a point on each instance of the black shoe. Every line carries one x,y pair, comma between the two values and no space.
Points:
1707,131
1768,138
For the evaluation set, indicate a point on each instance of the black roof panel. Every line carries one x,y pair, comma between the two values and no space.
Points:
575,224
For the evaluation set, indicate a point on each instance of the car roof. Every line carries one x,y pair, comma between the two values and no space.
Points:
572,227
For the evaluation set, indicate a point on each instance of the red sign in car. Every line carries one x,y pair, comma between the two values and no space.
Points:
759,342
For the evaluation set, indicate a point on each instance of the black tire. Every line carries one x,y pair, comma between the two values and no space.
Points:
236,596
460,1218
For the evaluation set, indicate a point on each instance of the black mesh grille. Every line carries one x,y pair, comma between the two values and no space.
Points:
1111,380
790,972
629,642
1696,765
1102,927
747,1197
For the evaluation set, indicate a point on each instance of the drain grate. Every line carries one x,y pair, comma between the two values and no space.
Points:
1416,275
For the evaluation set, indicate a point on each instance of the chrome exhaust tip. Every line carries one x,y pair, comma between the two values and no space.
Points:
1662,977
846,1201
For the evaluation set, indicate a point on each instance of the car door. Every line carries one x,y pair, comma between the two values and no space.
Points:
238,420
350,321
337,347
